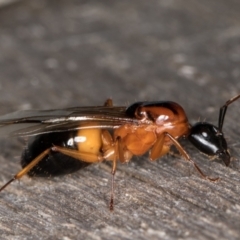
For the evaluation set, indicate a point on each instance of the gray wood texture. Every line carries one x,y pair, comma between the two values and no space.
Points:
56,54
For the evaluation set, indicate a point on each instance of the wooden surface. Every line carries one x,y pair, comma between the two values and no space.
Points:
56,54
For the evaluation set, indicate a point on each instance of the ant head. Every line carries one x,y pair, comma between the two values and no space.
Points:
209,140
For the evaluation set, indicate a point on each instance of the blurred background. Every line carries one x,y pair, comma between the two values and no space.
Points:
57,54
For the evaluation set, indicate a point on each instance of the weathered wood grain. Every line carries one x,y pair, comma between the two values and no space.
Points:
67,53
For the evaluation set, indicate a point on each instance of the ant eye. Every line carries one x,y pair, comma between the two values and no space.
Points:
205,134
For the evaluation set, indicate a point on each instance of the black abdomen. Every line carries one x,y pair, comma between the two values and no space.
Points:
55,163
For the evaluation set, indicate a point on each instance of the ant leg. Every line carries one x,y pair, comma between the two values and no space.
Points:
114,151
26,169
110,150
123,156
114,167
223,111
82,156
187,157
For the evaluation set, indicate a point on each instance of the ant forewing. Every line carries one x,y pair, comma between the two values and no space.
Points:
64,141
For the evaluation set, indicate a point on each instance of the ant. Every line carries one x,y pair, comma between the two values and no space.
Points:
67,140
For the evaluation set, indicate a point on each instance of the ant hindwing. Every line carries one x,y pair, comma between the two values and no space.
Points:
67,140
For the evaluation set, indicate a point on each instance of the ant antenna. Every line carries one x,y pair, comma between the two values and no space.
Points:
223,111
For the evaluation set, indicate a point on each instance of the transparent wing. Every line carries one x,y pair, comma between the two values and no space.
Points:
34,122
